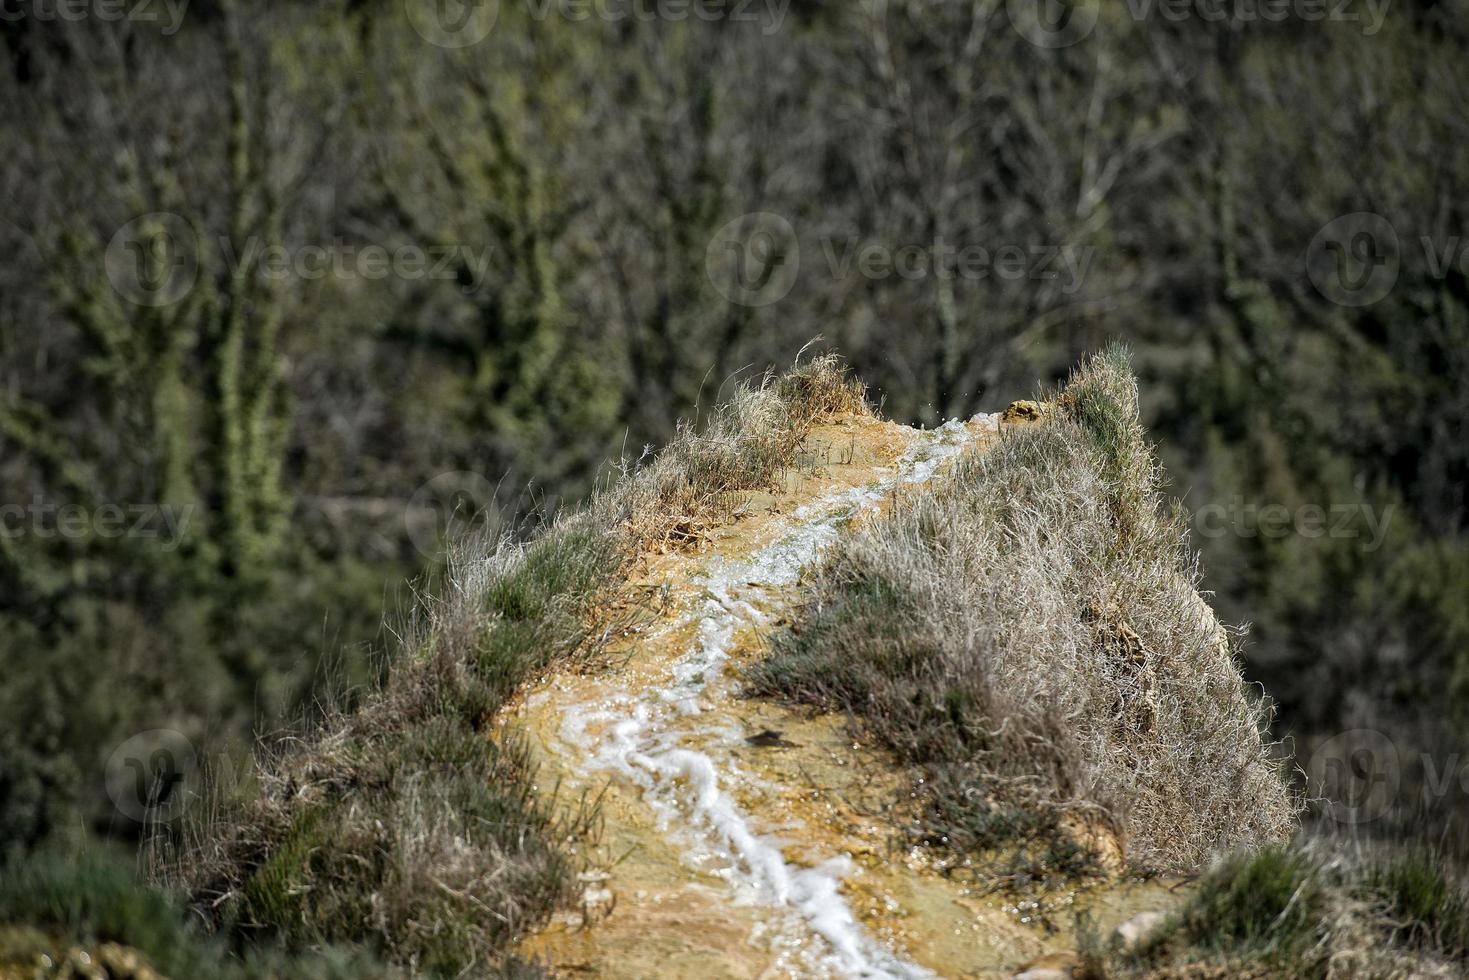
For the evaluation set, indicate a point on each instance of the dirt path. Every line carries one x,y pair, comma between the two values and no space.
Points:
733,858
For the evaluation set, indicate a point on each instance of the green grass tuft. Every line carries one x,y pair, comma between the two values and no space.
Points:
1311,909
93,900
1424,903
52,903
1265,903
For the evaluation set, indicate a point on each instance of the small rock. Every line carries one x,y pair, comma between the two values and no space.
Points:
1025,411
79,964
769,739
1137,928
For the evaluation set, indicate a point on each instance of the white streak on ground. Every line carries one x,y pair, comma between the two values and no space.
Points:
646,738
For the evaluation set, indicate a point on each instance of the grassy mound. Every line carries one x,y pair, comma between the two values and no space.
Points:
1311,911
408,824
1026,634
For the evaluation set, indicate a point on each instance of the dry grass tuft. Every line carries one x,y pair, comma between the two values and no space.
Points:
746,443
1311,910
820,389
1027,635
406,824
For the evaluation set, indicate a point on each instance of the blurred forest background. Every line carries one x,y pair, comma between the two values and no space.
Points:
573,182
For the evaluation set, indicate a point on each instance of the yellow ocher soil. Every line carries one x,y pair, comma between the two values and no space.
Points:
656,909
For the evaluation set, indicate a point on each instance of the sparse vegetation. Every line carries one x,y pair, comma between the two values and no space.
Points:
1027,636
53,906
1311,910
1267,903
410,825
749,439
1423,897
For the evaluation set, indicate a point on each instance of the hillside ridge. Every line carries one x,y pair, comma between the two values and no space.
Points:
744,838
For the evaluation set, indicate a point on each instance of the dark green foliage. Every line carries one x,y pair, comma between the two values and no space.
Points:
1266,903
97,900
89,899
1295,910
1424,899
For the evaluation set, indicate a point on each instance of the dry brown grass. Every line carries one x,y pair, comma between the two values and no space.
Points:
745,444
405,823
1026,634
